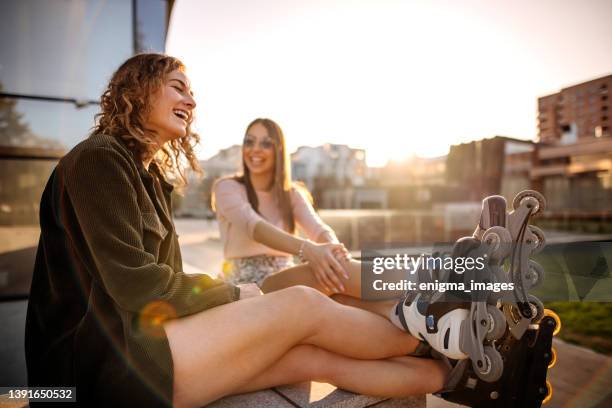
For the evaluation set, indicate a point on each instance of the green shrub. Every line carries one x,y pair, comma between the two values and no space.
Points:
586,323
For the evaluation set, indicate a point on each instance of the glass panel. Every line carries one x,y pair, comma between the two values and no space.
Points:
19,204
151,18
30,129
63,48
44,125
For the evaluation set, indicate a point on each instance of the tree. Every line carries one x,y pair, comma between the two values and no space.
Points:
12,127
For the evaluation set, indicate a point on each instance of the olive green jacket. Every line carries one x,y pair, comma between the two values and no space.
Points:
108,271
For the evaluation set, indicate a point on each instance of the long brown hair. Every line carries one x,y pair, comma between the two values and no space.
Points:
281,185
126,104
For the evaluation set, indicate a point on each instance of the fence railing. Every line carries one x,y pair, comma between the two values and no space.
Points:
356,228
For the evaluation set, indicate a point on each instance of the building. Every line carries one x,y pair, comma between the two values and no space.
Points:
330,172
330,164
498,165
414,183
519,156
416,171
573,164
196,197
226,162
576,178
56,57
576,113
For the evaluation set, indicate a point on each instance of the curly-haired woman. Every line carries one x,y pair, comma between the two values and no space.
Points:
112,313
258,212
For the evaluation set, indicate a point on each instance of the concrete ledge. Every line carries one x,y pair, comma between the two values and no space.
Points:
303,395
314,395
265,398
318,395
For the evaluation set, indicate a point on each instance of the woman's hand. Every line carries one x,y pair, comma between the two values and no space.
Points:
342,254
328,237
248,290
323,259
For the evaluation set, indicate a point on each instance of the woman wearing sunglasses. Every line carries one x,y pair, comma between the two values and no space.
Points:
260,210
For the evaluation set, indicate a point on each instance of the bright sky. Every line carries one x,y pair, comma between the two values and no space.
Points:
394,77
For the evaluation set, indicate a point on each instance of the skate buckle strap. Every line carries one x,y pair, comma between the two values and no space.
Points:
430,321
422,350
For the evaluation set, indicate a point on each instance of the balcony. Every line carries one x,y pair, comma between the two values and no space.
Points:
584,147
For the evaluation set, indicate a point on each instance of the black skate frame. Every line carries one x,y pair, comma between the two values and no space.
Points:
523,383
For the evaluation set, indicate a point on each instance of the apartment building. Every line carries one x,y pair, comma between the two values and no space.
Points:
575,113
573,164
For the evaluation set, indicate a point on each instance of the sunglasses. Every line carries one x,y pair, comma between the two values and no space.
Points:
266,144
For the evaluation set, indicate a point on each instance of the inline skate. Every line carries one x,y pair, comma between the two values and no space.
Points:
478,333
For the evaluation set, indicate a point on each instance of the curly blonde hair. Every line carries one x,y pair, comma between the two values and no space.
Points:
126,104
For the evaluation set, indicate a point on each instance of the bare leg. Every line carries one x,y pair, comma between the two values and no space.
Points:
381,307
218,351
351,296
393,377
303,275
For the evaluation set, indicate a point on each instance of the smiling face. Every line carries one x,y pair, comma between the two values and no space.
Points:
171,108
258,150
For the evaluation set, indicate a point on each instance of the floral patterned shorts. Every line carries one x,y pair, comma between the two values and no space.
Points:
254,269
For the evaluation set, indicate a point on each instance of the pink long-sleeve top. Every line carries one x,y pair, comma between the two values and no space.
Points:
237,219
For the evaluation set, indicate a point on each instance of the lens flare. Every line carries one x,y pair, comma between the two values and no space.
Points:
153,316
227,268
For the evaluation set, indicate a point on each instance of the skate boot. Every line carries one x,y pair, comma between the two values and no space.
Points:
455,324
441,333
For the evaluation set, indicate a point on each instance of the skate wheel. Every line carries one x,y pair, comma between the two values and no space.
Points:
548,312
498,241
536,306
497,323
535,274
553,358
541,239
549,392
464,245
491,367
531,198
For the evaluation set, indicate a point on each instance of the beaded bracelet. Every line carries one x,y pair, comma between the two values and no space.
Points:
301,252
